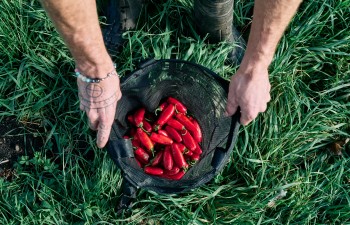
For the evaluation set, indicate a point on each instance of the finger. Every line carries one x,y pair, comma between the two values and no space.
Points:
93,124
104,125
231,108
82,107
247,116
103,132
245,120
93,121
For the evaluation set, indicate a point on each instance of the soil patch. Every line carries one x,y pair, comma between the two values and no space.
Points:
16,139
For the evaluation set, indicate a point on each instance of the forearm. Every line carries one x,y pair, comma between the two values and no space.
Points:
77,22
270,19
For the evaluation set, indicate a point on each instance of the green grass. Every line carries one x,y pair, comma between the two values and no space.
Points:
284,149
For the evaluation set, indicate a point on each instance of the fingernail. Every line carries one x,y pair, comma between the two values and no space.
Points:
100,145
226,114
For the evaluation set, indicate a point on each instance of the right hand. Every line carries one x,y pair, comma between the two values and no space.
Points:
250,90
99,101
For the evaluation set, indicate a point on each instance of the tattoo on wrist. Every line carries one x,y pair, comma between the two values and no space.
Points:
98,104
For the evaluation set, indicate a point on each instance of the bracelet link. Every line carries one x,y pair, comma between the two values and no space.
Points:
94,80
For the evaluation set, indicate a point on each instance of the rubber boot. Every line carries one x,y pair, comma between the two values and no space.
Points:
215,19
121,15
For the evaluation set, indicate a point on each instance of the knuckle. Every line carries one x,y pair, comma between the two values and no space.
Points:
231,109
105,121
231,105
91,114
102,126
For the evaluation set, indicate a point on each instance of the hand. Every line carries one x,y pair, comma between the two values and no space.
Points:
99,101
250,90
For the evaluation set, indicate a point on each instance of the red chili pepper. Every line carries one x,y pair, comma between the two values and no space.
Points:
145,140
149,117
141,160
166,115
182,147
178,105
161,107
130,119
175,124
189,141
168,161
147,126
156,127
195,157
198,149
186,122
197,133
173,133
135,143
142,154
138,162
161,139
163,132
188,159
156,160
132,132
178,157
172,172
136,137
139,116
177,176
152,170
189,153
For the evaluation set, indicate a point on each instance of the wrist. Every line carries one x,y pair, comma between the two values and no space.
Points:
254,65
91,57
252,57
93,69
253,68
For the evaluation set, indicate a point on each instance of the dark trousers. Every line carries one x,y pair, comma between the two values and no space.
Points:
214,17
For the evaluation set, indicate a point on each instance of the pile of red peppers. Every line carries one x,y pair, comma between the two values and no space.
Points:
165,142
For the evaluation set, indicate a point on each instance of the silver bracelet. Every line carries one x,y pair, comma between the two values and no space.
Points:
94,80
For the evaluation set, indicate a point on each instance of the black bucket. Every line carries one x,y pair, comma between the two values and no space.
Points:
205,95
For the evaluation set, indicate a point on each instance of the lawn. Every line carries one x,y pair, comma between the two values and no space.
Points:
289,166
